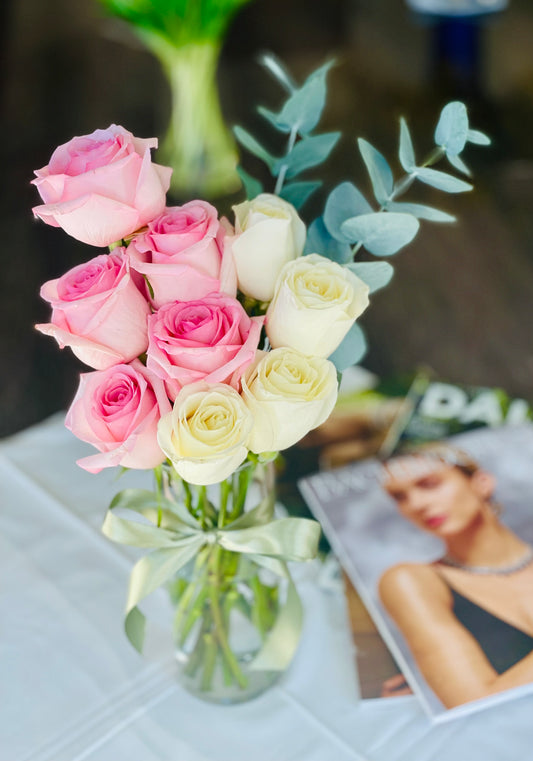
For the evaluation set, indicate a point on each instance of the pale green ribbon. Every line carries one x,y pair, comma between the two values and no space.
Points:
176,537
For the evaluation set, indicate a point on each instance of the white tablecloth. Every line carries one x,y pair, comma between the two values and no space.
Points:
72,687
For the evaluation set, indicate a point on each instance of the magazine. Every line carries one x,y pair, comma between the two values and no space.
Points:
458,671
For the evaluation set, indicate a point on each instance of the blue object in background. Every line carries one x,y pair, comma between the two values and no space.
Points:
457,7
456,45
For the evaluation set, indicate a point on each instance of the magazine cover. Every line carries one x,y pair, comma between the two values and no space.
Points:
439,545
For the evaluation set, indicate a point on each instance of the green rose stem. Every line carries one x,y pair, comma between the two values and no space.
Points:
219,629
187,596
225,490
158,477
406,181
243,478
209,660
201,506
187,496
205,603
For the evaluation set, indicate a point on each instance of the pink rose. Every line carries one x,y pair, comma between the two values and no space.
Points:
98,311
212,339
117,411
182,255
103,186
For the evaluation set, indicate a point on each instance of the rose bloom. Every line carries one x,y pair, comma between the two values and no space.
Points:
268,233
315,304
212,339
103,186
98,311
182,255
117,411
205,435
288,395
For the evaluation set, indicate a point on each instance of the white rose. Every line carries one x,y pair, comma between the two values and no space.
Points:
315,304
268,233
205,435
288,395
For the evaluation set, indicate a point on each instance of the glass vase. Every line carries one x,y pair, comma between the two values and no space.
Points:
197,145
225,604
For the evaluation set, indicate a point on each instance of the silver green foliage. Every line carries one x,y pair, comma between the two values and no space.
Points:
350,221
348,216
297,118
352,349
375,274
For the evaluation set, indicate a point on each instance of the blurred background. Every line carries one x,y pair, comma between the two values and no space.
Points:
461,299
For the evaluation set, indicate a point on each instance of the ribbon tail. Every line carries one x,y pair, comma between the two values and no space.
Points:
282,641
149,573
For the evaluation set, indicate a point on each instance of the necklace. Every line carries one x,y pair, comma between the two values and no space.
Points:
505,570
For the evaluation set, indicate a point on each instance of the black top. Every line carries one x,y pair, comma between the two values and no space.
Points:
503,644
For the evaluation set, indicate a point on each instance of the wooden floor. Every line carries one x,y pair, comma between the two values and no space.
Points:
461,300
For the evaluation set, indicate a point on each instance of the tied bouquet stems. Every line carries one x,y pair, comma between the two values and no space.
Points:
213,344
186,36
220,586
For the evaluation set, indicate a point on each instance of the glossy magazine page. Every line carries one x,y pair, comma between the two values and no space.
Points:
461,632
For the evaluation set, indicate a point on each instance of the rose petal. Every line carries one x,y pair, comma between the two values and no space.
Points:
94,220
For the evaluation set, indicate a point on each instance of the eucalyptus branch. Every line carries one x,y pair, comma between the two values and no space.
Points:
297,118
283,171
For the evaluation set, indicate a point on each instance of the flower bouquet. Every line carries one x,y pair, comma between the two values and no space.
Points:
213,346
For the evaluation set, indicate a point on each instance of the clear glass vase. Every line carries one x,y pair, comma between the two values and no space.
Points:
225,604
198,144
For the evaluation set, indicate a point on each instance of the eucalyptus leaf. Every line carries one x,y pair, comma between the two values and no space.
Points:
278,70
375,274
319,241
421,211
442,181
297,193
452,129
406,152
274,119
251,144
477,137
378,169
459,164
352,349
309,152
252,186
303,109
343,202
383,233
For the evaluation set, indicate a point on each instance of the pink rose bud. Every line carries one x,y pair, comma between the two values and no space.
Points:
103,186
98,311
211,339
182,255
117,411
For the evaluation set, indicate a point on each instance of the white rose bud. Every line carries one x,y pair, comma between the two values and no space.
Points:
205,435
268,234
315,304
288,395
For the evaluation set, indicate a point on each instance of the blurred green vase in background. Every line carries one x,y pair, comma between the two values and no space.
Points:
187,36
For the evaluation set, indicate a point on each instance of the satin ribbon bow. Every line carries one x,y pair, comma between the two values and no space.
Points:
176,537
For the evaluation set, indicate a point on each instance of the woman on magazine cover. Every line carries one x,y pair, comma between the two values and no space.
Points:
467,617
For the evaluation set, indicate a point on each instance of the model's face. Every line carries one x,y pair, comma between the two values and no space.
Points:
435,496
